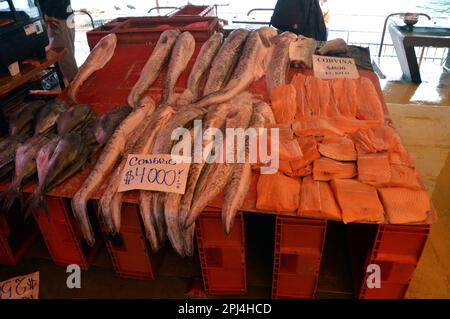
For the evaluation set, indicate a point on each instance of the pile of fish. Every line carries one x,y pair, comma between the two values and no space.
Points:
52,141
338,159
342,160
215,92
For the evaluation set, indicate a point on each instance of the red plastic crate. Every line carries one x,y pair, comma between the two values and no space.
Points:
62,235
396,249
298,252
193,10
131,255
16,236
146,30
222,257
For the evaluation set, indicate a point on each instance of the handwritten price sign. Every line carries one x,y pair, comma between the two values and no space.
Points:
22,287
156,172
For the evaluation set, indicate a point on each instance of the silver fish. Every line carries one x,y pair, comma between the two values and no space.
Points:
252,66
241,176
105,163
217,174
22,121
110,191
8,153
163,144
97,59
153,67
74,119
106,124
181,54
25,167
48,116
55,165
201,66
225,61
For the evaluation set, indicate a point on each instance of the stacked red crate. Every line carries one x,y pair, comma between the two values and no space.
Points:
298,252
222,257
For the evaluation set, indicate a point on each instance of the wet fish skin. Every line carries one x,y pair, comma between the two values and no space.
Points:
73,118
103,167
25,167
252,65
22,121
225,61
215,118
97,59
107,123
48,116
201,66
153,67
278,67
8,154
110,202
217,175
54,166
181,54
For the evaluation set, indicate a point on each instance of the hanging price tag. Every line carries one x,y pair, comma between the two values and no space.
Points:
156,172
22,287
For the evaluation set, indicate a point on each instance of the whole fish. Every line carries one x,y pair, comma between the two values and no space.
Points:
252,66
105,163
22,121
278,67
181,54
25,167
110,192
225,61
144,146
55,165
241,176
153,67
163,143
216,176
214,119
74,119
8,153
201,66
106,124
48,116
97,59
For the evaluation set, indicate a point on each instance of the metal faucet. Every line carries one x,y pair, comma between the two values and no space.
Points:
385,23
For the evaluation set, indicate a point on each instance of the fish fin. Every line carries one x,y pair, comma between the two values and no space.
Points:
10,196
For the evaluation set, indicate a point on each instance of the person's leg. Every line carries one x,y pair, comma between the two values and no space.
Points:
61,36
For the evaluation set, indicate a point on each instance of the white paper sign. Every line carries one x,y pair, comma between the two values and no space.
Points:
328,67
22,287
157,172
30,29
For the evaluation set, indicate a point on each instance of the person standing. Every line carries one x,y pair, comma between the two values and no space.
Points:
300,17
326,13
61,33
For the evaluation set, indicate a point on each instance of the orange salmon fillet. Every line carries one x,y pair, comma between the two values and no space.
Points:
325,169
284,103
277,192
298,81
358,202
338,148
370,107
374,168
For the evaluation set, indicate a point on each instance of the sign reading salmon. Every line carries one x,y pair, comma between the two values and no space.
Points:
157,172
328,67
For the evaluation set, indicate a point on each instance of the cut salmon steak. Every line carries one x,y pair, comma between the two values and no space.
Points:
374,168
317,200
315,126
277,192
405,206
302,166
325,169
284,103
358,202
338,148
370,106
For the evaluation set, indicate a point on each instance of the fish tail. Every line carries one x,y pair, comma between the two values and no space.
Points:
149,224
35,202
10,196
188,237
79,210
